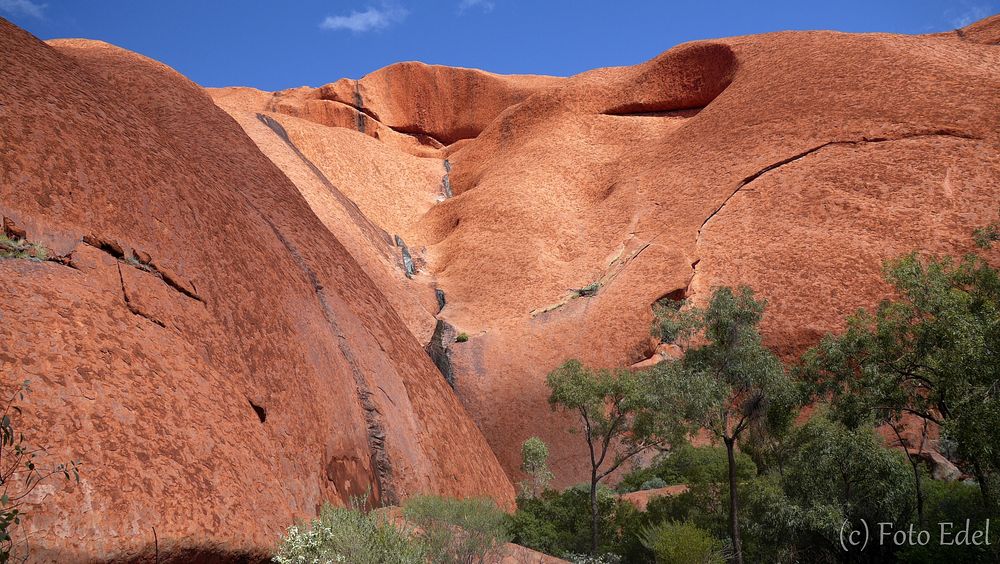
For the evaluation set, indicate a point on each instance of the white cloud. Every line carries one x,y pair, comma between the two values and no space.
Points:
971,13
22,8
371,19
484,5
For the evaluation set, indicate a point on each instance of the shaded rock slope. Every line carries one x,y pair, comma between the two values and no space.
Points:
213,354
238,323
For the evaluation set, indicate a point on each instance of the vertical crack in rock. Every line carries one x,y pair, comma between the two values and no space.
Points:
381,464
128,302
408,265
446,180
437,349
115,250
374,233
439,294
359,104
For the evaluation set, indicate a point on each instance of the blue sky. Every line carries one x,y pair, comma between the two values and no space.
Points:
274,44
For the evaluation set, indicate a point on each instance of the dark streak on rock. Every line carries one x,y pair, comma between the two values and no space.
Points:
803,154
381,464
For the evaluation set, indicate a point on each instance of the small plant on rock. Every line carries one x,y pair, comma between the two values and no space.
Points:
462,337
21,249
20,474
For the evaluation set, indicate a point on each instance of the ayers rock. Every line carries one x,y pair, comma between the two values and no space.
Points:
236,319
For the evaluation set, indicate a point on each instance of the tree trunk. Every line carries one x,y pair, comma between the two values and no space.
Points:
734,522
593,513
984,485
920,494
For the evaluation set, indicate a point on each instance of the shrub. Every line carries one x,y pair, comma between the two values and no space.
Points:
690,465
558,523
21,249
462,337
953,502
654,483
534,462
588,290
455,531
683,543
350,535
593,559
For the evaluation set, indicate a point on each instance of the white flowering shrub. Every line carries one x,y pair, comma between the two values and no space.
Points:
593,559
349,535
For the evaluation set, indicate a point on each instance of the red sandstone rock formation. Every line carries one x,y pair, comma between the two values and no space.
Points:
213,354
551,213
793,162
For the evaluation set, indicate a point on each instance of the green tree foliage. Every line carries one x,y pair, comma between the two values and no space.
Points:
682,543
832,474
534,463
468,531
987,235
689,465
933,353
558,523
730,381
622,414
954,502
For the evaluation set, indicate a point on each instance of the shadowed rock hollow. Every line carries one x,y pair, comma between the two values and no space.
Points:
319,239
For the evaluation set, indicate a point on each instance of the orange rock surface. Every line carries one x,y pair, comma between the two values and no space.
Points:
213,354
793,162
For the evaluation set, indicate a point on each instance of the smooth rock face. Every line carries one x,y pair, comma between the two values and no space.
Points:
231,337
213,354
793,162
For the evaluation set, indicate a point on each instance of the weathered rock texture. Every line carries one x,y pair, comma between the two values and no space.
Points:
217,358
793,162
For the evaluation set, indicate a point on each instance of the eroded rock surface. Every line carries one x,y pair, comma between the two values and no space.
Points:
213,354
239,337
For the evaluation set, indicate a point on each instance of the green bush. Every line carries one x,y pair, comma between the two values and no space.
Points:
534,462
462,337
558,523
21,249
954,502
654,483
454,531
689,465
682,543
350,535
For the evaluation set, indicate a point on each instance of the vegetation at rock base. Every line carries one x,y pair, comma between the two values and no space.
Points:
683,543
920,371
559,523
434,530
621,415
468,531
350,535
462,337
21,472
